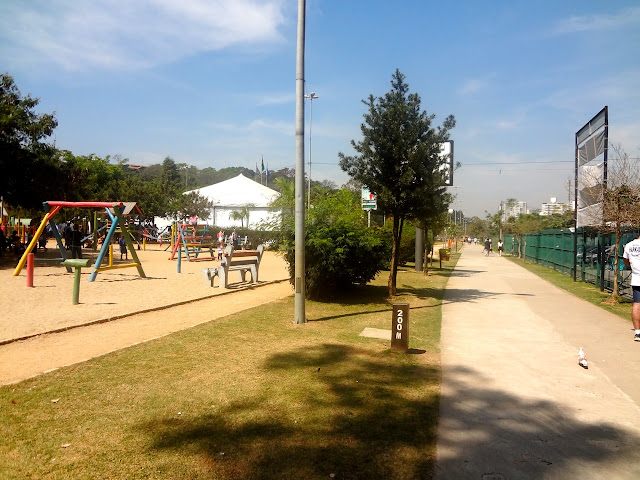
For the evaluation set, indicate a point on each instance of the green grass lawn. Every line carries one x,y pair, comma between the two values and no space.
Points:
583,290
249,396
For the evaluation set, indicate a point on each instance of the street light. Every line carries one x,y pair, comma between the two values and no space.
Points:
311,97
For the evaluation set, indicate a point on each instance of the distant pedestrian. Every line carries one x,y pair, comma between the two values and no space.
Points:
76,242
631,258
500,247
487,247
234,239
67,236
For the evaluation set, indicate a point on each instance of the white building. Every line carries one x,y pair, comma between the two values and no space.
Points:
512,209
232,195
553,206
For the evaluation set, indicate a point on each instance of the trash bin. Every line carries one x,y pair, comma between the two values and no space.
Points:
444,254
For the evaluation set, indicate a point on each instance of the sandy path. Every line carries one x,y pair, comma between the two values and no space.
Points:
111,307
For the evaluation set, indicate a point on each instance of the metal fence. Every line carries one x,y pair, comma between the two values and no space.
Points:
593,253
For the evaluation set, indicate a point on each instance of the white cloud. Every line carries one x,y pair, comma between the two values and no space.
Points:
132,34
277,99
473,85
598,22
255,127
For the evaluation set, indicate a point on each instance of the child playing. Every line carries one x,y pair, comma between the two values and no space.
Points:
123,248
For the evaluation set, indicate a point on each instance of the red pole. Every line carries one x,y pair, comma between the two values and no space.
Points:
30,262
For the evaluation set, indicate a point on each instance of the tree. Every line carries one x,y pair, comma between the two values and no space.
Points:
241,214
525,223
27,163
620,201
477,227
399,159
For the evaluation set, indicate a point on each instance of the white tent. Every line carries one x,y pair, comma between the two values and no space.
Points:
234,194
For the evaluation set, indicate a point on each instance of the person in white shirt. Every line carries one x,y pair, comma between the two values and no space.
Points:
631,258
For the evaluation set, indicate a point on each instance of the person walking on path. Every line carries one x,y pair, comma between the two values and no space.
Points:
631,258
487,247
500,247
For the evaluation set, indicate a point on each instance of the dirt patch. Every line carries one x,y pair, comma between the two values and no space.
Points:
109,309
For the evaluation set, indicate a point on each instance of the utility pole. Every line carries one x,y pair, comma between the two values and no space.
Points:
311,97
299,280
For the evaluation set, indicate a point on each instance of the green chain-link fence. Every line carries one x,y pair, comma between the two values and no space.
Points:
593,254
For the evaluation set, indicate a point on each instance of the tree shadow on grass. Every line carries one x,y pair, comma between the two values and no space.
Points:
367,417
389,310
357,417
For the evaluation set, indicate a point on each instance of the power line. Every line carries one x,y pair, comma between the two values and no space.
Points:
515,163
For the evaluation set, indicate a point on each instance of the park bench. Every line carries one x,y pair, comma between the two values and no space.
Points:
241,261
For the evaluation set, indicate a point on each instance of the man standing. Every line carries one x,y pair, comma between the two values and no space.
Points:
76,242
631,259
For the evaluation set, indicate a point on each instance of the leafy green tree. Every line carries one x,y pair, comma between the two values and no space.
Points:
187,204
170,177
241,214
28,169
399,159
477,227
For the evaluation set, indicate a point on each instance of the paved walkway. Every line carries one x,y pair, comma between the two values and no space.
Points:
515,402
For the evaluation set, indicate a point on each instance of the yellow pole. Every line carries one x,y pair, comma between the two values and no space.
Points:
111,255
144,244
32,244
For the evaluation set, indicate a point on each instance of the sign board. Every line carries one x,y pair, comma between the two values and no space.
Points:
446,150
369,201
400,327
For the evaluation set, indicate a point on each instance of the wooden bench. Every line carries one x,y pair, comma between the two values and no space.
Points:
241,261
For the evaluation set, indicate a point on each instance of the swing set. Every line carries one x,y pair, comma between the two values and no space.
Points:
114,210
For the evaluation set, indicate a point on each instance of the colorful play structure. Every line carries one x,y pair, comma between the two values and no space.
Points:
193,245
114,211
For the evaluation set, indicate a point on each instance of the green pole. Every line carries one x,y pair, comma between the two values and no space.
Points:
76,286
95,231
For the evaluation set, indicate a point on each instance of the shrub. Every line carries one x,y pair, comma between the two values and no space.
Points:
340,250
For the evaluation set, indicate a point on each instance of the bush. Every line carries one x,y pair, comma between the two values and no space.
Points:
340,250
407,242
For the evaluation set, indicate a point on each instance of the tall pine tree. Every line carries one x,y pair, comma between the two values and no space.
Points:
399,160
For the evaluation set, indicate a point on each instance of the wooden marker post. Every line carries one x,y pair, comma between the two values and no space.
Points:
400,327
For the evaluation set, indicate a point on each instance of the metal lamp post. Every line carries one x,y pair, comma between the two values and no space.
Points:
311,97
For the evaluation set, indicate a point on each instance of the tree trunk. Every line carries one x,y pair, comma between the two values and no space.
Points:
519,237
614,299
425,256
395,254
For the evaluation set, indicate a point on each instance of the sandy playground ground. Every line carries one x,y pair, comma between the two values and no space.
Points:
120,307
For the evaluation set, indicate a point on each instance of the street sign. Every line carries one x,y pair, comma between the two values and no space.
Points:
369,201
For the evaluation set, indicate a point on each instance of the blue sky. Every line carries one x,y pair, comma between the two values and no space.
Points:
212,83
